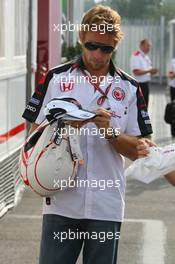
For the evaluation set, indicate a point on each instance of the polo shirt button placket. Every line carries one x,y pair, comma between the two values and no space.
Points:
88,191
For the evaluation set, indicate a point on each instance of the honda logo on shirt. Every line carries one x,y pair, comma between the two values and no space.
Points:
66,87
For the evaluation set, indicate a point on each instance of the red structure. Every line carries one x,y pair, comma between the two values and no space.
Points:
48,40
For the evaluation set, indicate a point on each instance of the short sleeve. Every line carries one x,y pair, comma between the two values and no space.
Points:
171,66
138,120
34,110
135,63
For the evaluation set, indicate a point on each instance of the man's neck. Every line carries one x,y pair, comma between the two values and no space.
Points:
96,73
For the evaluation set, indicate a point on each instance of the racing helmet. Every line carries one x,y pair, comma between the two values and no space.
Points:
50,157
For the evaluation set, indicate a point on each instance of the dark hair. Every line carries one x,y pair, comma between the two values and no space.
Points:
143,41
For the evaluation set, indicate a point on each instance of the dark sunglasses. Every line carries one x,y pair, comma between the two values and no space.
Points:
95,46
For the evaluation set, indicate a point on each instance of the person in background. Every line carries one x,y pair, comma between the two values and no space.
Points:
171,83
171,76
141,67
170,107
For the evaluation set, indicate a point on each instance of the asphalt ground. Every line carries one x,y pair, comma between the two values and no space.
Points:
148,233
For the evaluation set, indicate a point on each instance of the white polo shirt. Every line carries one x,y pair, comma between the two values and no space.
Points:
140,61
172,69
103,196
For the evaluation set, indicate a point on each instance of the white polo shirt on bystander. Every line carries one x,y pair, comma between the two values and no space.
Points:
172,69
140,61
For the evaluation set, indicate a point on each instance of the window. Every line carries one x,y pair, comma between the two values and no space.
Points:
13,36
2,33
21,18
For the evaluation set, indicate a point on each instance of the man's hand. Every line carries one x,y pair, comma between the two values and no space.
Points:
77,124
143,146
154,70
102,120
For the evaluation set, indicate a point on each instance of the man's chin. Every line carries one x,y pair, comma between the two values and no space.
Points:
98,66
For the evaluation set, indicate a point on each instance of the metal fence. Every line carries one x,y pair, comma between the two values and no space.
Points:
11,185
136,30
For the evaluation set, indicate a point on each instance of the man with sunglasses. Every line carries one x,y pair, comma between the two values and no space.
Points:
90,215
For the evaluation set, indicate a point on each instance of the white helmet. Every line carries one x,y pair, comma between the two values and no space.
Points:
49,159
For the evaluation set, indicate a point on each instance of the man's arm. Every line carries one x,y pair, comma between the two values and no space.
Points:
139,72
129,146
132,147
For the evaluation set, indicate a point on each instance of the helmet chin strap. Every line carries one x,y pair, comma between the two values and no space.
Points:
75,149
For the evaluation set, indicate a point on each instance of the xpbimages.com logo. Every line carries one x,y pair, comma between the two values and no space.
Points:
86,131
101,28
72,235
81,79
102,185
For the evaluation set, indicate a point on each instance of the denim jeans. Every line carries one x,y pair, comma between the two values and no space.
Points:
63,238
